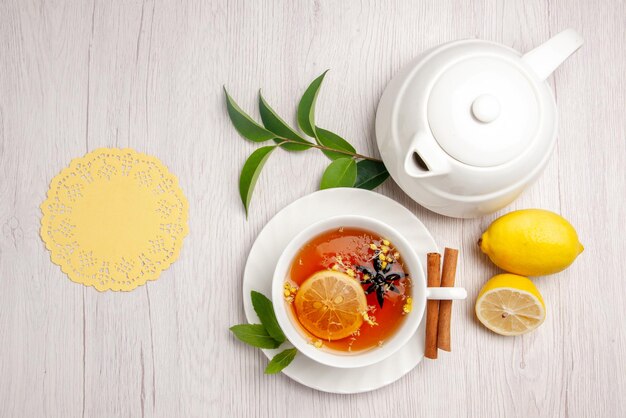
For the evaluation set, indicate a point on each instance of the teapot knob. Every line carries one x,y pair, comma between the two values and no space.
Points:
486,108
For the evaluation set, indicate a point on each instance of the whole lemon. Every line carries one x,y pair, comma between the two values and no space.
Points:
531,242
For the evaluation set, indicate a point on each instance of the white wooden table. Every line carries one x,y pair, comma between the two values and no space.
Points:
78,75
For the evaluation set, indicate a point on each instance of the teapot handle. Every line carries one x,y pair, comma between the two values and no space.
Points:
545,58
433,161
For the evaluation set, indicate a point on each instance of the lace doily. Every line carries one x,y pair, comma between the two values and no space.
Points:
114,219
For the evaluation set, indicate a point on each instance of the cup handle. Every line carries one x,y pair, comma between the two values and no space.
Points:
445,293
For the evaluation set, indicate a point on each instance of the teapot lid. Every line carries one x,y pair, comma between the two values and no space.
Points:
484,110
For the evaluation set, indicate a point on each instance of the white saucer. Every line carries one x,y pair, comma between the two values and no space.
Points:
282,228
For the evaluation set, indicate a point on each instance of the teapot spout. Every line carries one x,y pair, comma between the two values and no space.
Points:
545,58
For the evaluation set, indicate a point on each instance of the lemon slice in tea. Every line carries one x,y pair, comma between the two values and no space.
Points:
330,305
509,304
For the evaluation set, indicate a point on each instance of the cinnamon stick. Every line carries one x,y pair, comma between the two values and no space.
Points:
432,306
448,273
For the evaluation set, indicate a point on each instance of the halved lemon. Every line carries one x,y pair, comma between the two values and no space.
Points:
509,304
330,305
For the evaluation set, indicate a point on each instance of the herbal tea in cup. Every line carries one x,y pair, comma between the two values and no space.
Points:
349,289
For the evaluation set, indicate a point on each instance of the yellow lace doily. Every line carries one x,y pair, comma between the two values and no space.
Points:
114,219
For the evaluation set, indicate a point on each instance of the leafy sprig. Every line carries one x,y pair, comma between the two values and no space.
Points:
267,334
347,168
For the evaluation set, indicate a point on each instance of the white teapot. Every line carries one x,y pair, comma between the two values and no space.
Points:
469,124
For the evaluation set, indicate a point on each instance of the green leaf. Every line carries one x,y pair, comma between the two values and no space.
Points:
265,310
250,173
332,140
370,174
281,360
244,124
254,335
274,123
306,107
340,173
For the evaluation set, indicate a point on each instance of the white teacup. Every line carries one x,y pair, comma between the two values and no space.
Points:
420,294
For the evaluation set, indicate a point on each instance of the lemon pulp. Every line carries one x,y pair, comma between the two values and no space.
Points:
509,304
330,305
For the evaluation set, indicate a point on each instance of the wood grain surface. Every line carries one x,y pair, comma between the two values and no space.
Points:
78,75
